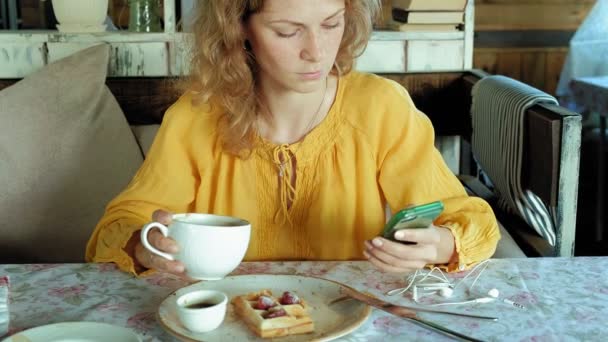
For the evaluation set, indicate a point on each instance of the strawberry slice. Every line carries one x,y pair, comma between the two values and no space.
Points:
289,298
275,312
264,303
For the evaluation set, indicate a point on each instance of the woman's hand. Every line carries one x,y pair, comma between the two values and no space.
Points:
434,245
147,259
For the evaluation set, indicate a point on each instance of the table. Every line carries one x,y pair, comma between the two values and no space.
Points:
592,93
566,298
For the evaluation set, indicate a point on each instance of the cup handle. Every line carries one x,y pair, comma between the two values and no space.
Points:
144,239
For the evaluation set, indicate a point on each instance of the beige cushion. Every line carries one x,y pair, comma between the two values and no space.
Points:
65,151
144,134
507,247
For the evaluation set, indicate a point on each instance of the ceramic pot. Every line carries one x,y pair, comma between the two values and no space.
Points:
81,15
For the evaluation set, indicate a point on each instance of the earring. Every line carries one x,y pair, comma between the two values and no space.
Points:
246,45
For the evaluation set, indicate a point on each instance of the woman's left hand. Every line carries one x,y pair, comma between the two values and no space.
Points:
433,245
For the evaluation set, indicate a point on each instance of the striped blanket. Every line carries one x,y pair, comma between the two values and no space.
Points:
497,111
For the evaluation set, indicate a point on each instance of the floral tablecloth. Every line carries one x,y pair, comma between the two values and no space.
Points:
566,299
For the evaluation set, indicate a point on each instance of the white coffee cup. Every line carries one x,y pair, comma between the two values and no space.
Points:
210,246
202,310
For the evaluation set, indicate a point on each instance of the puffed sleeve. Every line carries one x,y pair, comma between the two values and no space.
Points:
166,180
412,171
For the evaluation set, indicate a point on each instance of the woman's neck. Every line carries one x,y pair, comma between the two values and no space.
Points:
292,115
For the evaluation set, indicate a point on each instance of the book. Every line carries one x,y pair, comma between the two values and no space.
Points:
430,5
410,17
397,26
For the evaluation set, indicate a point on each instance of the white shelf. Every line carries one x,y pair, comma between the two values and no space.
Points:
417,35
32,36
27,36
165,54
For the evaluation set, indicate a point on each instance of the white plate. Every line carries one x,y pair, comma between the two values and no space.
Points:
330,322
75,332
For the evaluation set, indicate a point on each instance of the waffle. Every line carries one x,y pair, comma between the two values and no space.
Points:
295,319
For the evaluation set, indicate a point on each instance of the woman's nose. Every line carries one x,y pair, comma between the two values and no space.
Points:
312,50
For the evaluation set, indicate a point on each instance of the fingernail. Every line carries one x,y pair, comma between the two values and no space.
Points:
365,254
179,268
377,242
399,235
173,249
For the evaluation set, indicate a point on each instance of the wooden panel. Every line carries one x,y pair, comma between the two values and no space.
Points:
531,14
441,97
143,100
553,69
486,61
533,69
538,67
541,162
18,60
435,55
509,64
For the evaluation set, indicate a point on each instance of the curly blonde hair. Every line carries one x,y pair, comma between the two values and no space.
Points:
222,71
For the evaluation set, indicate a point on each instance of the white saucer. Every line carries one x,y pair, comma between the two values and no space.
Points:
76,28
75,332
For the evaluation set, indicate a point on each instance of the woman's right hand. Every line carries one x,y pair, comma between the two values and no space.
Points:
150,260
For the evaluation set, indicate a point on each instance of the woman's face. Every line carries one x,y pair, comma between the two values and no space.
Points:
295,42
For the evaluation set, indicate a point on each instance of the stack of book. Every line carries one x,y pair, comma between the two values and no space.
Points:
427,15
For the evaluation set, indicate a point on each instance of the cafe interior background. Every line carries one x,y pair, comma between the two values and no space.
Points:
528,40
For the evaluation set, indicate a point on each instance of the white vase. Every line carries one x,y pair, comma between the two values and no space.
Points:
80,15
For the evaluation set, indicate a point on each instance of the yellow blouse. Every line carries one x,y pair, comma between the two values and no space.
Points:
373,148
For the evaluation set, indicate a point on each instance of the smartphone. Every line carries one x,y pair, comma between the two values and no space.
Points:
420,216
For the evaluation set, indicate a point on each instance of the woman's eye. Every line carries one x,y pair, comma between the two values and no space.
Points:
286,35
332,25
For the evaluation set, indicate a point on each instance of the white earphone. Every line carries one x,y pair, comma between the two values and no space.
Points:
447,293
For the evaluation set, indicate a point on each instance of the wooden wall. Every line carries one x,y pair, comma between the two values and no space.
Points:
539,67
535,56
530,14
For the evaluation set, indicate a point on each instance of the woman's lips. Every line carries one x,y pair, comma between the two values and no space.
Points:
311,75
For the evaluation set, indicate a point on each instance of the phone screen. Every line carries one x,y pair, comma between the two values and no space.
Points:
421,216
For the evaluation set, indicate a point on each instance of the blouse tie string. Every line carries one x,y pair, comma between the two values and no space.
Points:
284,158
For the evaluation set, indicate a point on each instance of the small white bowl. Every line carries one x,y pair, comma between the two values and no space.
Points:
202,310
80,12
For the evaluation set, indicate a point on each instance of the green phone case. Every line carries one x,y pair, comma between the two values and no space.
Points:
421,216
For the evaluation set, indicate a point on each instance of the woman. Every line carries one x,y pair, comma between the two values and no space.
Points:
278,130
